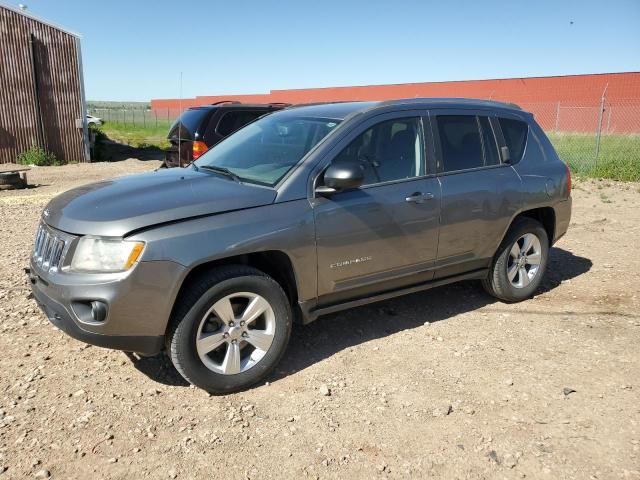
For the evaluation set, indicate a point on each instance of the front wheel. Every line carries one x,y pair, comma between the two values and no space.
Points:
520,262
230,329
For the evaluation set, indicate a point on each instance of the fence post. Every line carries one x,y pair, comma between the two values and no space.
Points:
155,114
557,117
600,115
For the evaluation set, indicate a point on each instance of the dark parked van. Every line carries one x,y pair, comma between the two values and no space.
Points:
200,128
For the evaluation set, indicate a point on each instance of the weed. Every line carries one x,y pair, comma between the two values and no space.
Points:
37,156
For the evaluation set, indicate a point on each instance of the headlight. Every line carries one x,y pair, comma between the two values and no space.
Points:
105,255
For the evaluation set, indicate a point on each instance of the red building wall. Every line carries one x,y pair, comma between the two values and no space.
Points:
567,103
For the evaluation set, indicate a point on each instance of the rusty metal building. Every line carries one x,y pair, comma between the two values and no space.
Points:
42,100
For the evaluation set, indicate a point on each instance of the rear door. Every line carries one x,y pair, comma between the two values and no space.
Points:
480,193
383,235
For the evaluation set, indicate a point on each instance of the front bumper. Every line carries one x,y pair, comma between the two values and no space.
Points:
60,317
138,303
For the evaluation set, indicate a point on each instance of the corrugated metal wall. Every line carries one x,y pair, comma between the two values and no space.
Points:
40,88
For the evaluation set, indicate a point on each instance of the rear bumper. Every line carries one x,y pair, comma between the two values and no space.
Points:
563,218
172,156
60,317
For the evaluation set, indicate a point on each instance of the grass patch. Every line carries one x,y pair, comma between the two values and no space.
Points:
138,136
618,158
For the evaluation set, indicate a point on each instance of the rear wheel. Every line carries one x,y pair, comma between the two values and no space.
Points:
520,262
230,329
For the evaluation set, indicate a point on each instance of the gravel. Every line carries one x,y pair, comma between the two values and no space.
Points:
66,409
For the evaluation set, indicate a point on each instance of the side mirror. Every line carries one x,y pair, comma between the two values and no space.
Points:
342,176
506,154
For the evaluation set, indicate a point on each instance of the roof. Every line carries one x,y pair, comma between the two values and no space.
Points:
26,13
452,102
340,110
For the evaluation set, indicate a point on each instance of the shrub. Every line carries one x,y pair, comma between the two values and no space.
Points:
37,156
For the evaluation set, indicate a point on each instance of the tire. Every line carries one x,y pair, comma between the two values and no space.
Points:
199,317
523,283
10,178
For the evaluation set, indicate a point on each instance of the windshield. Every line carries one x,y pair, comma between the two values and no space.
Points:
265,150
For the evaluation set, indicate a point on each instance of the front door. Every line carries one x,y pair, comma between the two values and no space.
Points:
383,235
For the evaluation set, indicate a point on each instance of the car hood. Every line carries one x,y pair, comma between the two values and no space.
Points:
119,206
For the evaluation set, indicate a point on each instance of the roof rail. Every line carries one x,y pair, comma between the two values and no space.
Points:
313,104
224,101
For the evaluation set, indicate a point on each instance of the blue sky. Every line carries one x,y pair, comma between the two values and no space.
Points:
136,50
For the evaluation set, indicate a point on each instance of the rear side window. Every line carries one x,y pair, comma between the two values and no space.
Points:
459,142
232,121
515,135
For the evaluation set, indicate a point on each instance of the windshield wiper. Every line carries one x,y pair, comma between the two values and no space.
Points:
222,170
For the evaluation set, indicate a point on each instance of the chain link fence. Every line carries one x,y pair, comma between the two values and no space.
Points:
136,116
599,138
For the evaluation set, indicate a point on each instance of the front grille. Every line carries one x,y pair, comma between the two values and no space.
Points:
49,248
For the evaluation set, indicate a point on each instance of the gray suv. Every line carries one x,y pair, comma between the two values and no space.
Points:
304,212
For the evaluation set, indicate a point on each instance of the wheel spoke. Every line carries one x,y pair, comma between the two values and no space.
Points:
256,307
515,251
231,363
209,342
524,276
526,244
259,339
512,271
533,259
223,310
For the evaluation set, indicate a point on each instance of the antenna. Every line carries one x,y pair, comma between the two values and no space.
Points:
179,123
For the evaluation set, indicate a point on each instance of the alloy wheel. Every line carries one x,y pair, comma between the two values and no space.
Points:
524,260
235,333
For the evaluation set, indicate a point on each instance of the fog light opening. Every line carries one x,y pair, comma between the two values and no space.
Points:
98,311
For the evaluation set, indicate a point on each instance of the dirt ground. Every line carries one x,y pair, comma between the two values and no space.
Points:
442,384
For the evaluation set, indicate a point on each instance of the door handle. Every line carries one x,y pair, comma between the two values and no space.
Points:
419,197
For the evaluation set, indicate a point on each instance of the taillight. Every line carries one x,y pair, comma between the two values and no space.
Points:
198,148
568,179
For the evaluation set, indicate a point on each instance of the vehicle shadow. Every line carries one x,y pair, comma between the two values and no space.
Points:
333,333
112,151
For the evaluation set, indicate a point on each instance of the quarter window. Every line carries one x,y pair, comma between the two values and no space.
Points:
460,142
391,150
515,135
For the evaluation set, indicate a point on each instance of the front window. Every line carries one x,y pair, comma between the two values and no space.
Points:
388,151
265,150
